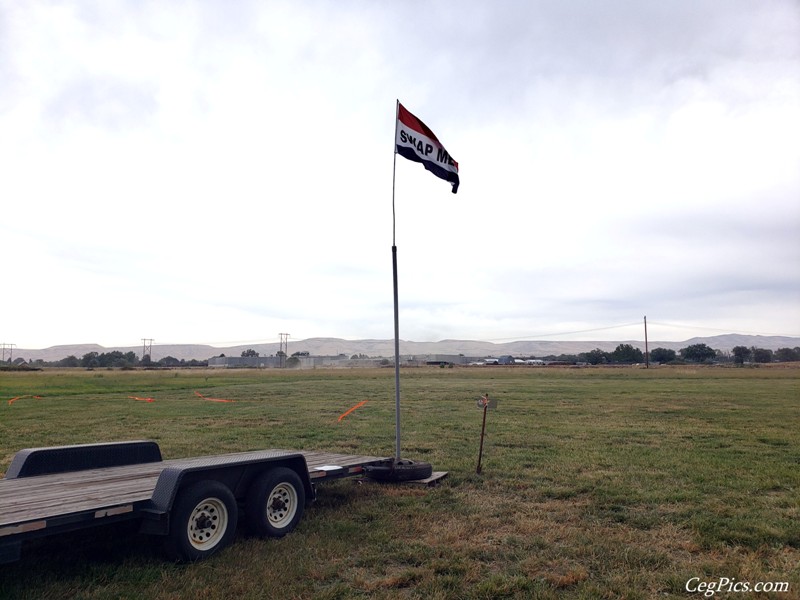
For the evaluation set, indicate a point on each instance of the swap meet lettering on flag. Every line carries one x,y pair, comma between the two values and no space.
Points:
415,141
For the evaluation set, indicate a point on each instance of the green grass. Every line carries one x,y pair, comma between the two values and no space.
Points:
596,483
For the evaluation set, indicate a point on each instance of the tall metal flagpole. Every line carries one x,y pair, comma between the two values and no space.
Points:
396,304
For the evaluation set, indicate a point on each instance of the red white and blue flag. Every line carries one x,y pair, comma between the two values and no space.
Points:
415,141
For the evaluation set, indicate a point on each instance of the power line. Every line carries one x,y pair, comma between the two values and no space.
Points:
673,325
220,344
541,335
730,330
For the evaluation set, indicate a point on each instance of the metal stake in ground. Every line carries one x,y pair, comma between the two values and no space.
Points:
483,402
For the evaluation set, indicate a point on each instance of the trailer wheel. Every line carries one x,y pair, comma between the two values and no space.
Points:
275,503
202,522
392,470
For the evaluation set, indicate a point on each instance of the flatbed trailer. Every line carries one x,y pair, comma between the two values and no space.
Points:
194,503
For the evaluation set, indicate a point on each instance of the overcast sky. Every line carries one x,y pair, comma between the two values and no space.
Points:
220,171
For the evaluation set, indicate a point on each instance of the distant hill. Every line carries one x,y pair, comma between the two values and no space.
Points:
376,348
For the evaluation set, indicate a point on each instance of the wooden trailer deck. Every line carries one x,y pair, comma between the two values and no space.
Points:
27,503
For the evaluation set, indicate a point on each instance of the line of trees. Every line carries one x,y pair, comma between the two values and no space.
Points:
695,353
743,354
116,360
622,354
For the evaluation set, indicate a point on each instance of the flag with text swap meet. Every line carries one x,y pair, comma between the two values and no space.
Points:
415,141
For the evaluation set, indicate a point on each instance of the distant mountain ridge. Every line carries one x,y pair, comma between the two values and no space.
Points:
375,348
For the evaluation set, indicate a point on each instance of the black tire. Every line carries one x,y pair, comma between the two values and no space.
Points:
202,522
399,470
275,503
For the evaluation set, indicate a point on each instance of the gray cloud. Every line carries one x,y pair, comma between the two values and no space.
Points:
103,103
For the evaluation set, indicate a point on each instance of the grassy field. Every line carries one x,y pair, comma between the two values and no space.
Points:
596,483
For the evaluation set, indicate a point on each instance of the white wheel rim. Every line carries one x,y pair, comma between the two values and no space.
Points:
281,505
207,524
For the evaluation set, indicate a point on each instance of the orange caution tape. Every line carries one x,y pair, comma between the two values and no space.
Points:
348,411
10,402
142,399
199,395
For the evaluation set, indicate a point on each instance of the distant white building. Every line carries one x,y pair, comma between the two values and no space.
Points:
259,362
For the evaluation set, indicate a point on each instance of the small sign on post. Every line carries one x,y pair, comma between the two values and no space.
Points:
485,403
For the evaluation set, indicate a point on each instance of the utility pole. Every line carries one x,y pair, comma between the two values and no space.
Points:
147,348
11,353
284,351
646,349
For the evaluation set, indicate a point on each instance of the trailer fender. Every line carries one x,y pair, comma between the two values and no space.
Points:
236,476
63,459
